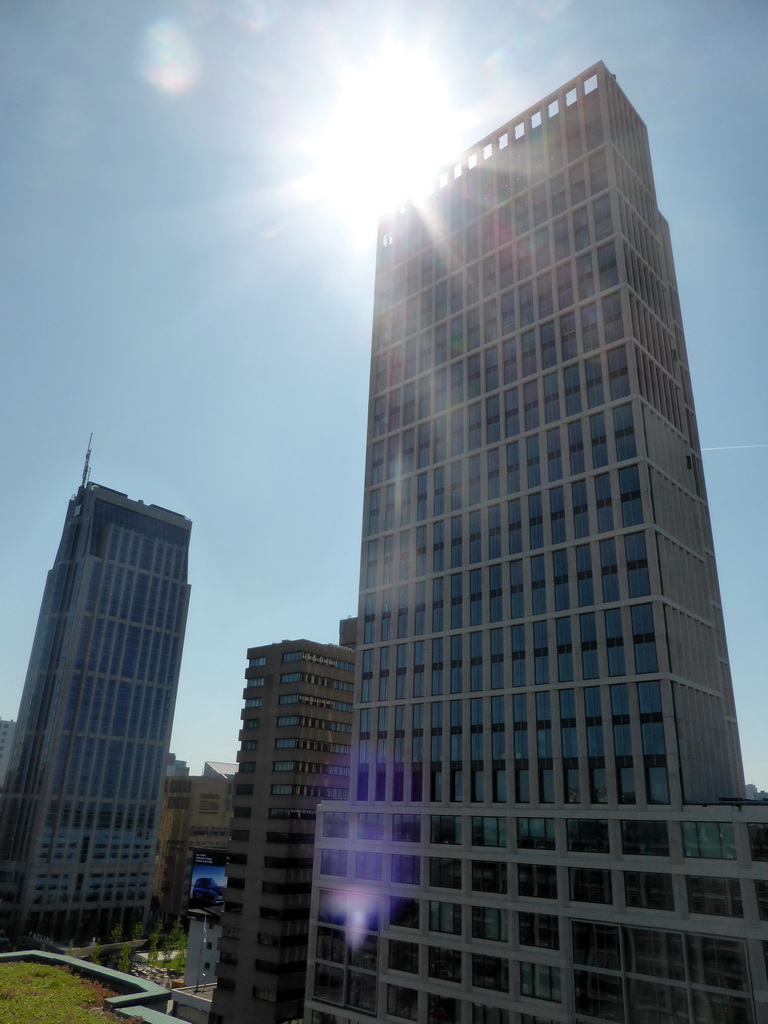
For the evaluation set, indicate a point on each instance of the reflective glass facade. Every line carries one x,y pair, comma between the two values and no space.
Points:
79,810
537,560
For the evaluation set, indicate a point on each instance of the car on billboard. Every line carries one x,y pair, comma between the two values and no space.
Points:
206,892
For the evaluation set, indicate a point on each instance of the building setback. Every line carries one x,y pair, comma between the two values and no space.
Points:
546,819
294,752
78,828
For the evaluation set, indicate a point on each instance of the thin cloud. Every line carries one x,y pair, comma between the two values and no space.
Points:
734,447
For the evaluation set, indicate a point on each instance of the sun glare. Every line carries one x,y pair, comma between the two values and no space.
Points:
385,139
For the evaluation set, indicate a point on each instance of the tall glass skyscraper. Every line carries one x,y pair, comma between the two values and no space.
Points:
78,823
547,819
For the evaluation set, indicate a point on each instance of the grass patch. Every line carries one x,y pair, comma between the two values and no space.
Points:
36,994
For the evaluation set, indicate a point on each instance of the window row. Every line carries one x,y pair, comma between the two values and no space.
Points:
430,386
611,570
700,960
583,710
586,647
446,292
411,260
518,465
535,780
639,837
546,399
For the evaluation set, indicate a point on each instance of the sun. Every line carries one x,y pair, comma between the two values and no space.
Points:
384,139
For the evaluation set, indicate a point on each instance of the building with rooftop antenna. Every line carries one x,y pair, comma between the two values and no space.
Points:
546,818
78,815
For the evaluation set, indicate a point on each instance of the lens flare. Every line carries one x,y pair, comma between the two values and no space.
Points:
168,58
362,914
390,128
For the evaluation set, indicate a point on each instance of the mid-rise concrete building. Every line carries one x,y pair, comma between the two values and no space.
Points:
294,752
196,814
546,818
78,819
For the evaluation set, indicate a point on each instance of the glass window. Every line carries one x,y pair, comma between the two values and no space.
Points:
333,862
488,1015
654,952
536,833
717,896
590,885
717,961
403,1002
336,824
596,945
490,972
403,913
488,831
647,838
445,917
758,841
638,579
540,930
540,981
644,638
708,839
489,923
588,835
370,826
444,964
329,983
598,995
445,829
489,876
405,869
761,891
368,865
538,880
361,991
445,872
649,889
631,501
442,1010
624,433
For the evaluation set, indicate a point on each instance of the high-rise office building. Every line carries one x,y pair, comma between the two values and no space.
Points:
7,730
547,817
78,826
294,752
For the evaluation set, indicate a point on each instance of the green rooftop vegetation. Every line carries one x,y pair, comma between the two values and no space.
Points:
32,993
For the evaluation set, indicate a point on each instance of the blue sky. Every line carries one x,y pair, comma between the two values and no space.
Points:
169,281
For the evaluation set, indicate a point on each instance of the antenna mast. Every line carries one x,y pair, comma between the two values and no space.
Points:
86,467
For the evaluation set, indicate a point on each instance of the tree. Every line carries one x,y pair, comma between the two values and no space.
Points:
175,944
138,931
125,960
117,934
152,947
96,952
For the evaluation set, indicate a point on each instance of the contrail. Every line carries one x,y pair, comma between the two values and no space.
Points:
734,447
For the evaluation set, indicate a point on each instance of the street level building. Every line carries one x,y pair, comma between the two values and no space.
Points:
79,812
547,818
294,752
